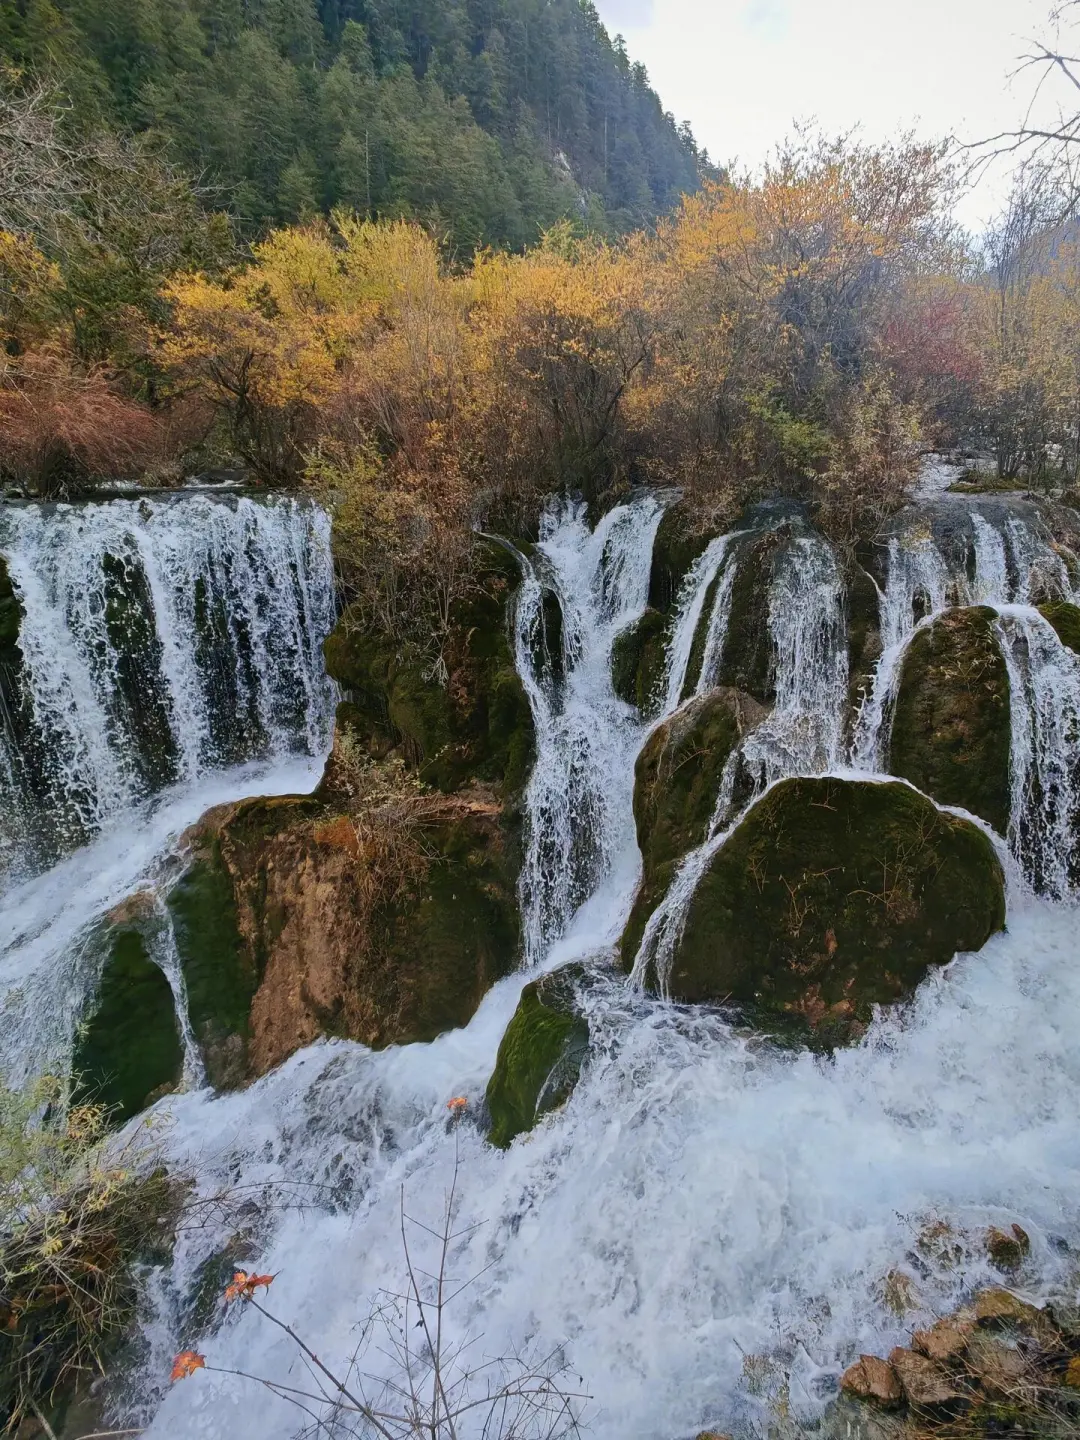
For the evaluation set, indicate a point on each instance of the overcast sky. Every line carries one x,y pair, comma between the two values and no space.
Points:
741,71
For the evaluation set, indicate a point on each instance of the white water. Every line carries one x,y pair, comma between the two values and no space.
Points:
161,640
83,760
701,1198
580,845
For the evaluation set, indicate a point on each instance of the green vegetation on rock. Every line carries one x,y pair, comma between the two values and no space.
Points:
10,615
540,1056
861,602
1065,618
129,1047
677,545
676,782
951,730
476,725
637,660
219,973
831,896
747,661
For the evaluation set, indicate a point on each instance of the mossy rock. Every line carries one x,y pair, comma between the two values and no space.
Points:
478,725
637,660
951,728
219,972
676,784
11,616
679,541
129,1047
447,940
830,897
747,660
1065,619
540,1056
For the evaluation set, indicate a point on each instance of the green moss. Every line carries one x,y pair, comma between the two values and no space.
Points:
832,896
447,940
478,724
696,658
11,615
951,731
676,782
637,661
539,1059
677,545
130,1046
747,661
218,971
1065,619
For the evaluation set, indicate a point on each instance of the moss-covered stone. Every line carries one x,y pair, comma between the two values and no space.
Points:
540,1056
637,661
476,725
832,896
129,1047
679,541
1065,619
951,730
676,784
747,661
219,972
10,615
333,943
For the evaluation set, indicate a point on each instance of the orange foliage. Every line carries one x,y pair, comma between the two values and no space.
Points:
185,1364
59,424
243,1286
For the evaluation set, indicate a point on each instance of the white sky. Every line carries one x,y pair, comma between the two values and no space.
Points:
742,71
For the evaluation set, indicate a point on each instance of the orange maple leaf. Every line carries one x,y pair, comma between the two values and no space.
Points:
243,1286
186,1363
457,1104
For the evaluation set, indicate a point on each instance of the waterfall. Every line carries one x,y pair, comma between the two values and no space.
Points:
711,1229
1044,685
579,830
161,639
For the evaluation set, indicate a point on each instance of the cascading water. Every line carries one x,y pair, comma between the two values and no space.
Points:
1044,684
711,1229
170,660
160,640
580,842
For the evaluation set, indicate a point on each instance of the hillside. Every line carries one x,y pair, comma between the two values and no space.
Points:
490,119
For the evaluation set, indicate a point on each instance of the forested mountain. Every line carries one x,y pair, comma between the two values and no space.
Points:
490,119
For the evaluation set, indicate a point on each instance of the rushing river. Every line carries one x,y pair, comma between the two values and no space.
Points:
710,1228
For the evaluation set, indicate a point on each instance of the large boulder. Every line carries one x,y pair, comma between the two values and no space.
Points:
128,1047
951,728
637,660
747,659
676,784
385,933
474,723
831,896
1065,618
540,1056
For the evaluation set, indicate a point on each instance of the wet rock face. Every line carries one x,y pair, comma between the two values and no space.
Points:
676,782
637,663
540,1056
747,660
324,946
832,896
1065,618
951,725
474,722
128,1048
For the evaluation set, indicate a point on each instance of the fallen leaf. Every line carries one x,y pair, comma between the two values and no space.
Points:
186,1363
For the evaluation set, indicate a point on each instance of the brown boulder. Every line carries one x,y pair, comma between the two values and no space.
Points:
998,1366
924,1382
1001,1308
1007,1248
872,1378
946,1339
